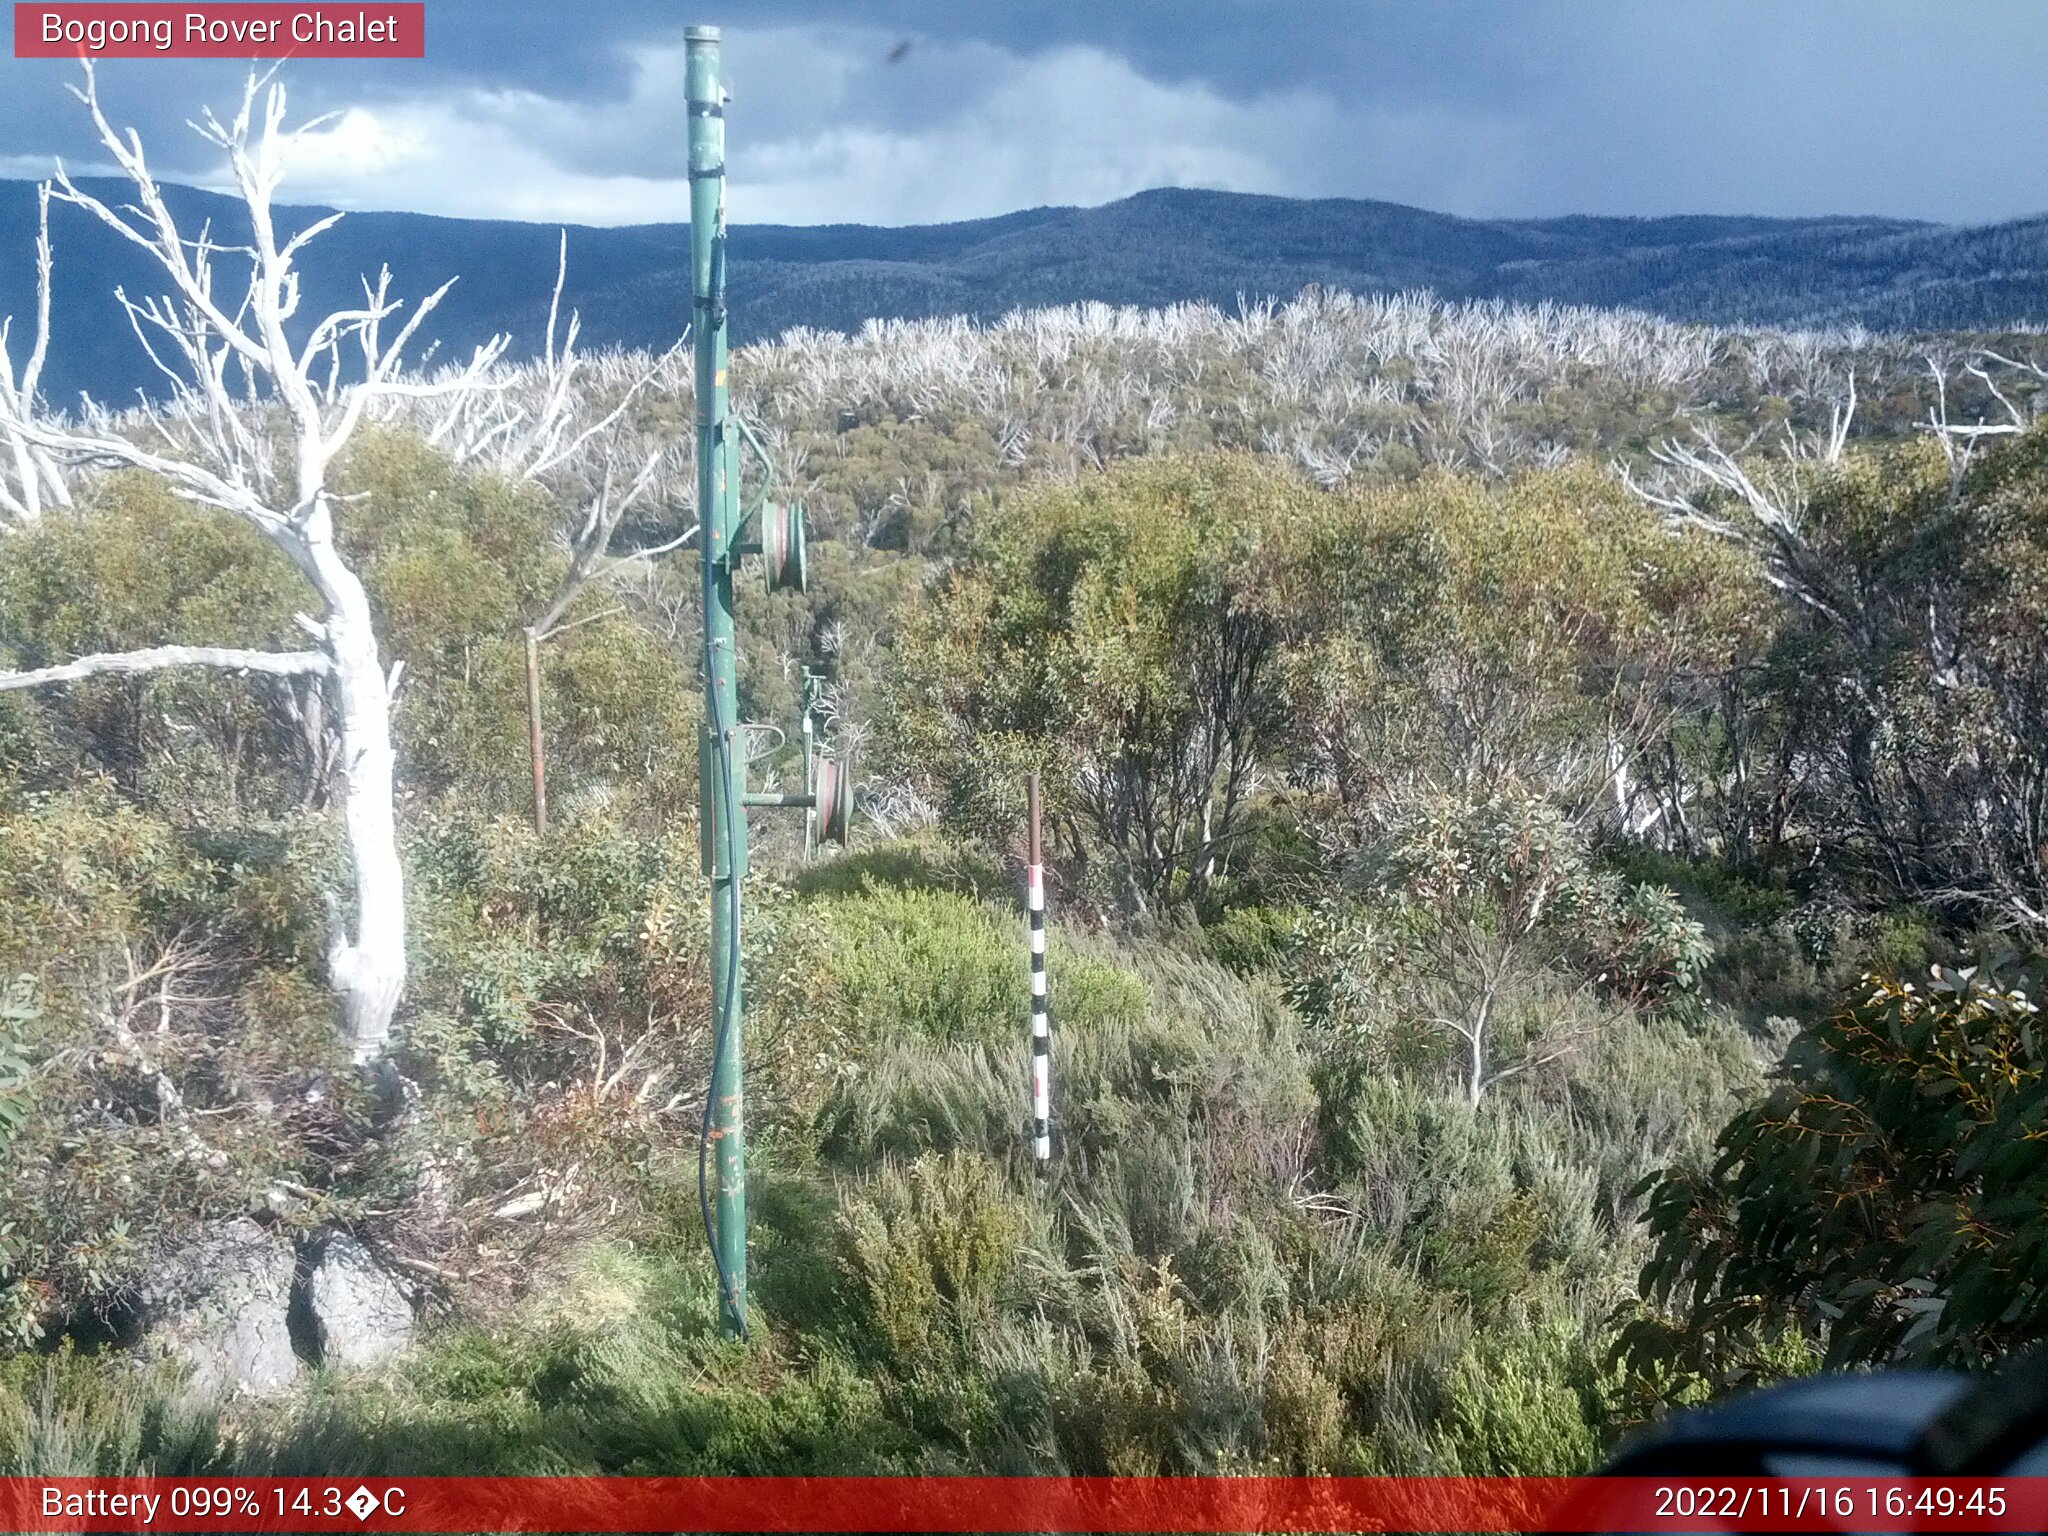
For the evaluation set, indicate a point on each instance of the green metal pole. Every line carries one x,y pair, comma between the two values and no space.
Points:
721,762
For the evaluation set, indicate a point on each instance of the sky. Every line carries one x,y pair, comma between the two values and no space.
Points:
540,110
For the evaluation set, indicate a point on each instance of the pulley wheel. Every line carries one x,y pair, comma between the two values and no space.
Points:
784,547
835,799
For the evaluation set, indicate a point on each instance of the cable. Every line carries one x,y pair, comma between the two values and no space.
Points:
722,1031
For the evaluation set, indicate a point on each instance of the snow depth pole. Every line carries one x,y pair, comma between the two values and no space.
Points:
720,755
1041,1019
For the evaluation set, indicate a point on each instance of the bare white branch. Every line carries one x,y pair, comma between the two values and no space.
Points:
159,658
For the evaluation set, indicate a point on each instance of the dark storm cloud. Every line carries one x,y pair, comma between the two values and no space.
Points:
1495,107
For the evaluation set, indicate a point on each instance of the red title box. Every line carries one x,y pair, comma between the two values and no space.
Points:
218,31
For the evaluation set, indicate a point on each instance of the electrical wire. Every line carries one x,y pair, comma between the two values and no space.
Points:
722,1032
728,801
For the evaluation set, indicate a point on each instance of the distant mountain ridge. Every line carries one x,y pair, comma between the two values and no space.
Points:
1156,248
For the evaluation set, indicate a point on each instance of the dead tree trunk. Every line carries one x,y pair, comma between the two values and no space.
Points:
214,446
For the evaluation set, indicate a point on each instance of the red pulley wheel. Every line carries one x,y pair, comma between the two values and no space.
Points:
835,799
785,547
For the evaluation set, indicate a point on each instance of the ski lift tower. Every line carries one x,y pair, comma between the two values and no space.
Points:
777,533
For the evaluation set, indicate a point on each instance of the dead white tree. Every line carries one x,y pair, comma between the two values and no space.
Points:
252,427
1760,504
29,477
1961,440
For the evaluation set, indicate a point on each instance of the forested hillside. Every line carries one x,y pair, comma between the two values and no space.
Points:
1547,870
1158,248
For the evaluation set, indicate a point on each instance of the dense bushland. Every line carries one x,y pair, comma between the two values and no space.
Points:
1443,863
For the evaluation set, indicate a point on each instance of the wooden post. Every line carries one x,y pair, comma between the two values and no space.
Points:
535,745
1041,1019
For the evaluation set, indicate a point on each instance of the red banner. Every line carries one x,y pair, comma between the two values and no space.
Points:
111,30
993,1504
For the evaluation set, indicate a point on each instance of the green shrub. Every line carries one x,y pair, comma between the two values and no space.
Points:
1129,625
1251,939
1261,1246
943,967
1518,1405
1902,942
20,1303
66,1414
910,864
159,1104
1721,896
1302,1411
929,1247
1885,1196
1640,941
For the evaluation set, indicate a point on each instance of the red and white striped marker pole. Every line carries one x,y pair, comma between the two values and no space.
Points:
1041,1018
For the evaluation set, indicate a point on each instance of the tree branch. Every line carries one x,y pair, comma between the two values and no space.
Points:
157,658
